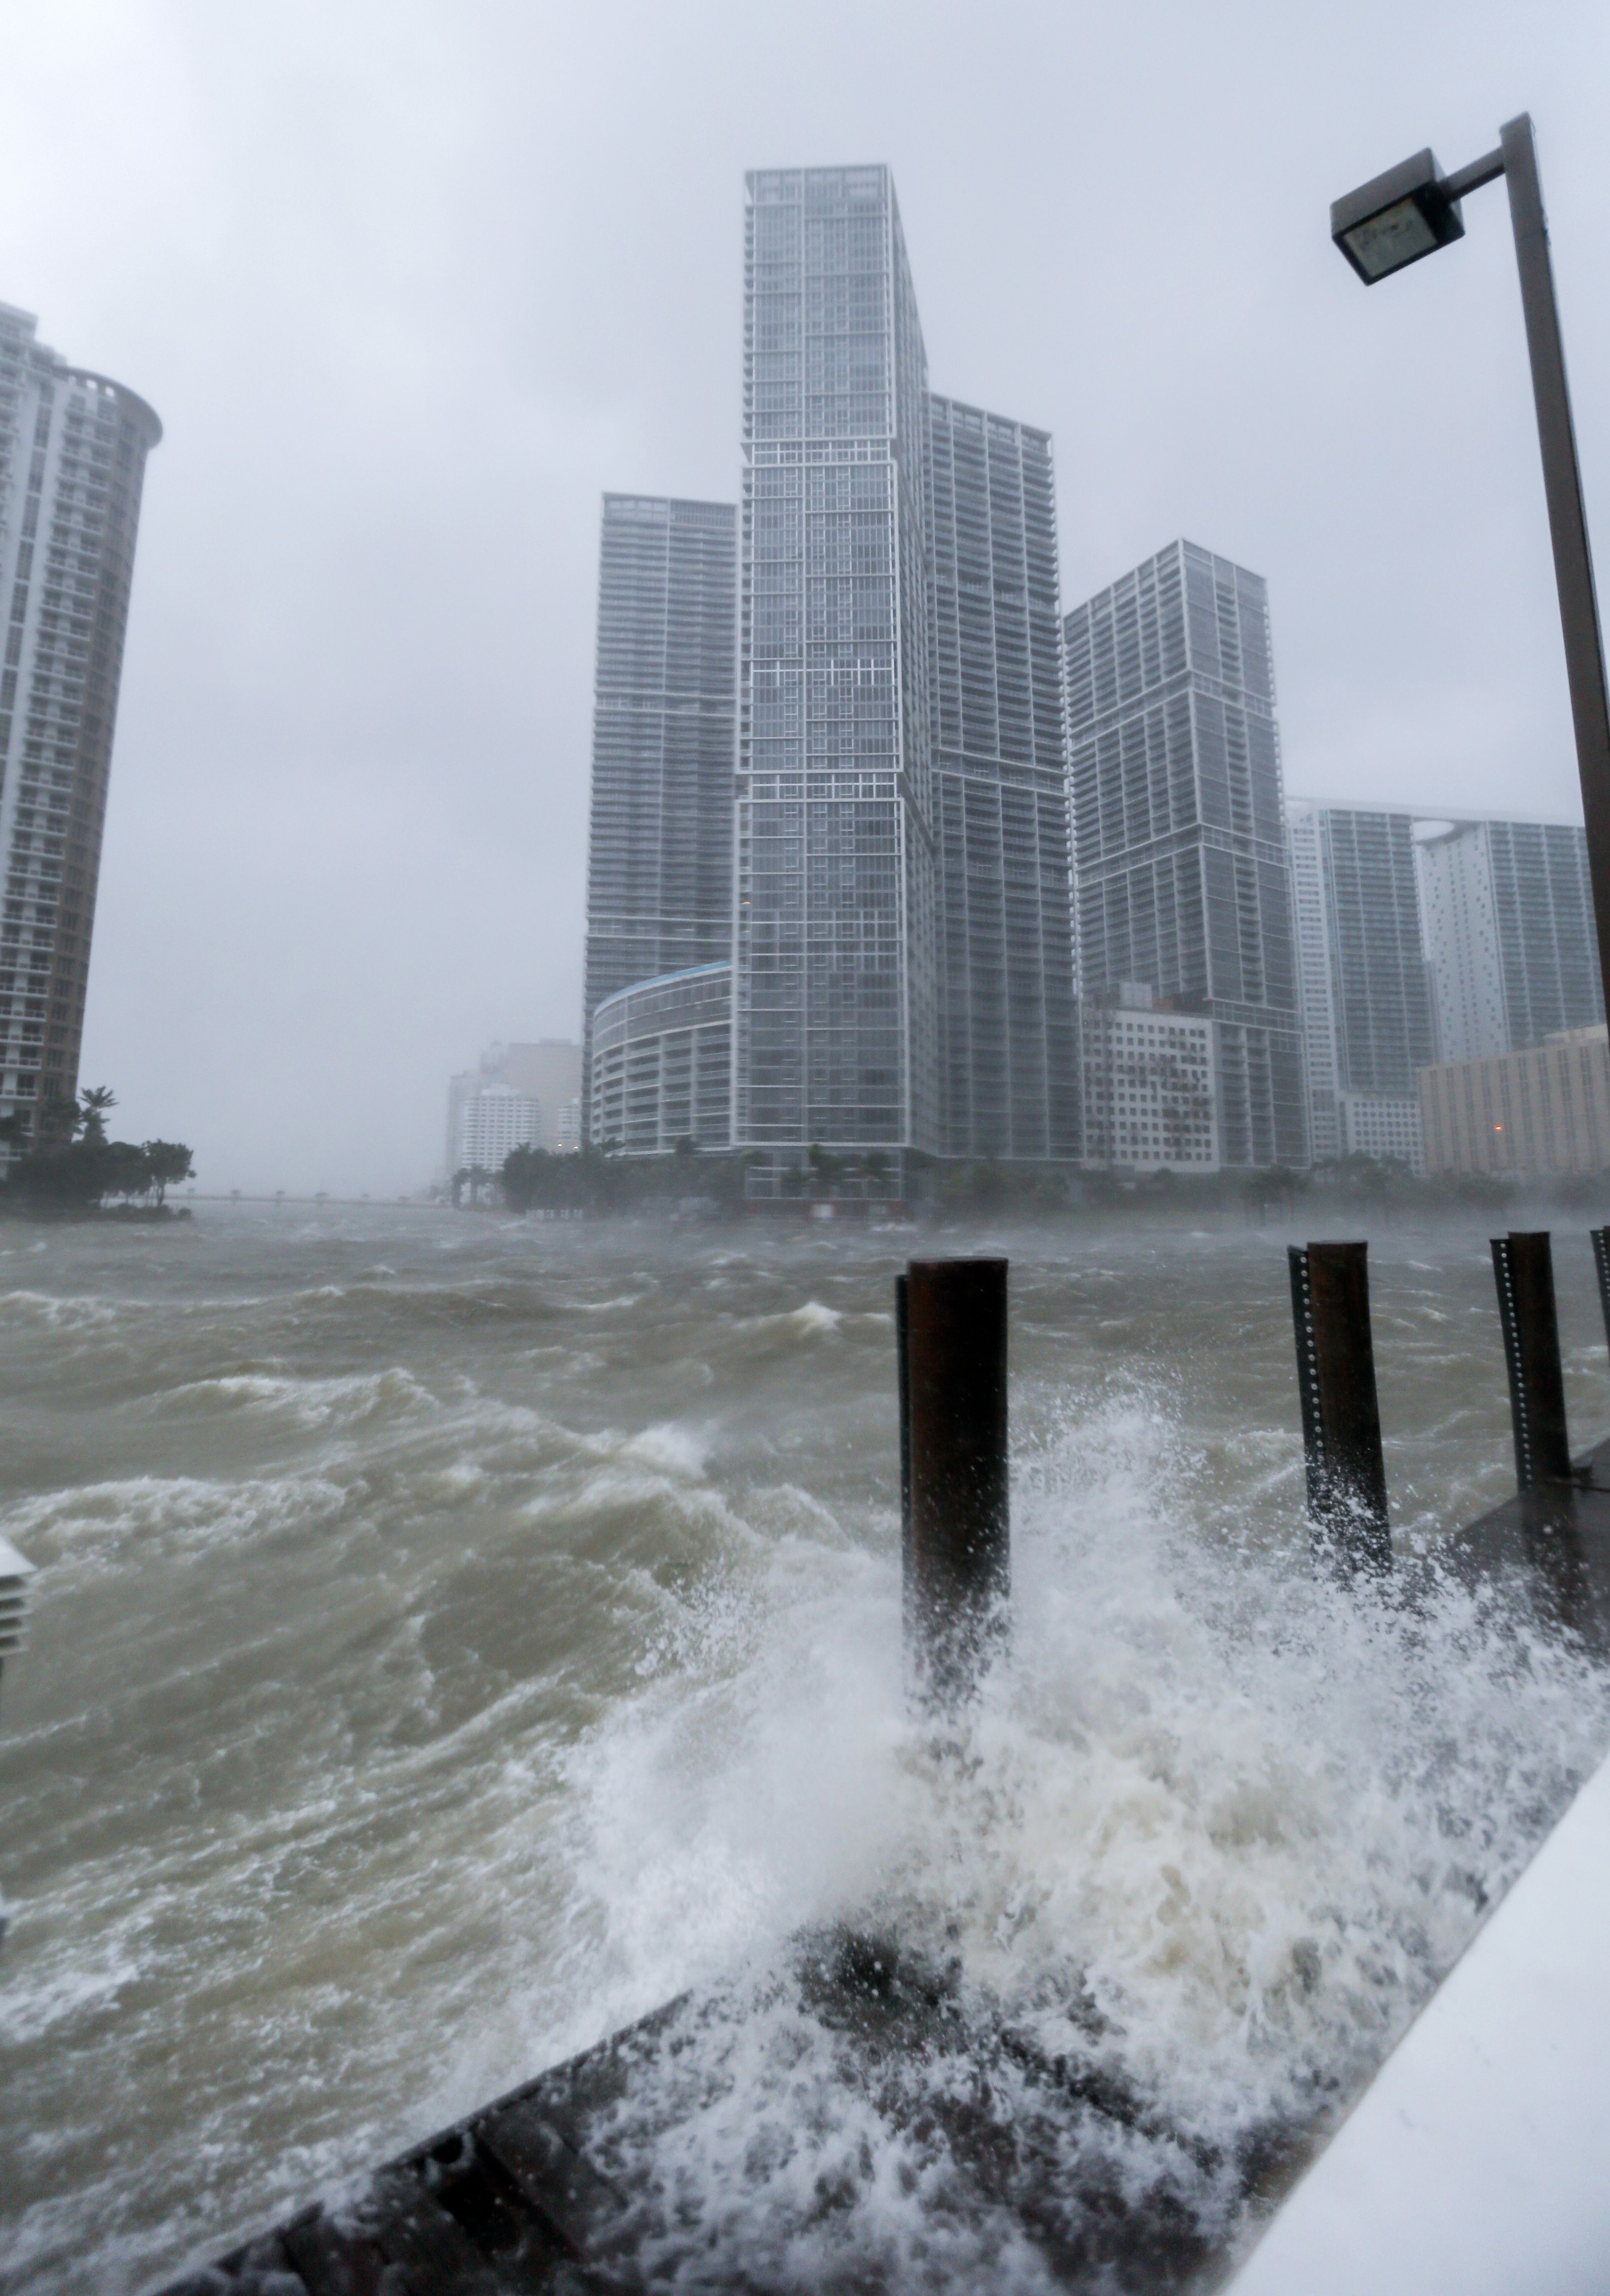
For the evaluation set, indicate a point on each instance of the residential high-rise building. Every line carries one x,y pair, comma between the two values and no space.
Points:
526,1090
72,462
1507,911
659,864
1366,1006
1009,1038
1184,882
834,1018
551,1070
489,1120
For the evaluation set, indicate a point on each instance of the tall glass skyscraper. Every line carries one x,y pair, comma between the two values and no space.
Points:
835,1007
1009,1035
1509,934
1184,884
72,463
1366,1006
659,864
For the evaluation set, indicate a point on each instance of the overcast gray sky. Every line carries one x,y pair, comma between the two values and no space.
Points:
411,285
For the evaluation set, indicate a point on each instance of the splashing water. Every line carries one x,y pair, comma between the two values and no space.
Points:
453,1640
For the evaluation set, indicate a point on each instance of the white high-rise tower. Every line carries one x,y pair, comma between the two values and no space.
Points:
72,461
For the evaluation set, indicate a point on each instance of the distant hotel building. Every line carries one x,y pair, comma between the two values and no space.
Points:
1183,878
1508,912
1008,1038
519,1096
1151,1094
1536,1114
659,868
491,1119
834,999
1366,1007
72,461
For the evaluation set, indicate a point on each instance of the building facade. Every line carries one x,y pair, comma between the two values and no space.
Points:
662,1064
659,861
1008,1038
1536,1114
551,1070
1151,1098
835,1002
516,1094
72,462
1366,1006
487,1118
1509,934
1184,882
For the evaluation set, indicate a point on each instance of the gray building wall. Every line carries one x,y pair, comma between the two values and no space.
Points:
834,998
1507,908
1373,915
659,862
1008,1063
72,462
1183,877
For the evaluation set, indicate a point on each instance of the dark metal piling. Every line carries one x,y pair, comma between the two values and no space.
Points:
951,1326
1524,1266
1341,1415
1599,1238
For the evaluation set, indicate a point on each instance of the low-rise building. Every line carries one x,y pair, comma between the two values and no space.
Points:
1150,1086
1536,1114
1382,1126
661,1069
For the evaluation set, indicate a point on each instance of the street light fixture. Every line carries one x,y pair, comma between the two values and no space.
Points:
1411,211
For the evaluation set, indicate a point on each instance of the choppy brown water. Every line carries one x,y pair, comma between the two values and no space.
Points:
453,1637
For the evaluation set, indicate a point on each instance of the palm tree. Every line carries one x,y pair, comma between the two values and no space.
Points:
93,1106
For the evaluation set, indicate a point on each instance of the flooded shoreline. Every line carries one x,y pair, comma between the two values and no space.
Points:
452,1638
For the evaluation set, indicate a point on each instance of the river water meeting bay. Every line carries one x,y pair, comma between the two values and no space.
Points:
454,1635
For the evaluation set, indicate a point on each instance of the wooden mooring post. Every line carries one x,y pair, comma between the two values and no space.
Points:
1341,1413
950,1328
1522,1264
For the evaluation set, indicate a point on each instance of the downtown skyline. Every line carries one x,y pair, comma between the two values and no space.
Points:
403,666
958,813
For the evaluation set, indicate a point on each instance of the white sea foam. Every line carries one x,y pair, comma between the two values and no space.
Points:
309,1403
385,1733
1233,1819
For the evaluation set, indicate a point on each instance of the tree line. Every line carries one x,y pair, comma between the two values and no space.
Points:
65,1161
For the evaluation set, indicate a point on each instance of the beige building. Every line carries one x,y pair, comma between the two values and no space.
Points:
1150,1101
1530,1115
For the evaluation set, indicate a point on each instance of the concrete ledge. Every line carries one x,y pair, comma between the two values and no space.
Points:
1477,2162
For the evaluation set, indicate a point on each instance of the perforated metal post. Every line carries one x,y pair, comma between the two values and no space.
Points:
903,1362
1524,1266
1341,1417
951,1321
1599,1238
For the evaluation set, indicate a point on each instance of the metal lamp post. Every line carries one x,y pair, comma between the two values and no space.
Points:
1411,211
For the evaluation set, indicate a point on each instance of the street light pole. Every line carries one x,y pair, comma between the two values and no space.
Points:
1410,213
1567,517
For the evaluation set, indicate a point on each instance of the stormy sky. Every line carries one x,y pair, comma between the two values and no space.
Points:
411,285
